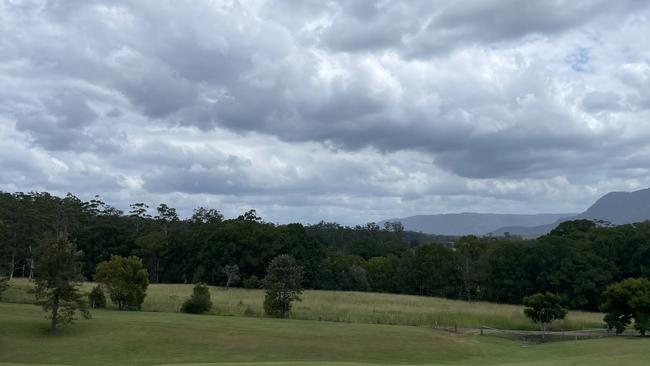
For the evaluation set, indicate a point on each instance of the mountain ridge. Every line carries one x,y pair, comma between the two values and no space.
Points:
471,223
614,207
617,208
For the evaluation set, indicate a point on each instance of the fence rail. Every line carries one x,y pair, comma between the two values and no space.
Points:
534,335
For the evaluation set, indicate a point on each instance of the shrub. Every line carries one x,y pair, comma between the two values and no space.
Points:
96,298
252,282
4,284
199,302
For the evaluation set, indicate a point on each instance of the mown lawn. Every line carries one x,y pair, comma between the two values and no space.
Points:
150,338
352,307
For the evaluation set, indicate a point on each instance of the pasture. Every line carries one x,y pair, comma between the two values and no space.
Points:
158,338
350,307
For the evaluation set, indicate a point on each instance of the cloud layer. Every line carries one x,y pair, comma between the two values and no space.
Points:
337,110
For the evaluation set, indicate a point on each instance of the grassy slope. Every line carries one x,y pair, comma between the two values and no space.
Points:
353,307
147,338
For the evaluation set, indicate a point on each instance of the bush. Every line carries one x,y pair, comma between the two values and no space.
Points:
199,302
252,282
96,298
4,284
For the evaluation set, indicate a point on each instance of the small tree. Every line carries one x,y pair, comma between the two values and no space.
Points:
126,281
626,301
283,284
543,309
57,282
359,278
200,301
4,285
96,298
252,282
232,274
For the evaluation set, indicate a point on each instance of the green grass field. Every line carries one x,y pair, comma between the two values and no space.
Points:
351,307
157,338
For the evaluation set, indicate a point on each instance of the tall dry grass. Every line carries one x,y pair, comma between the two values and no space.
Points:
342,306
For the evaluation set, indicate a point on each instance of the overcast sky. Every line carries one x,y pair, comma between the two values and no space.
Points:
348,111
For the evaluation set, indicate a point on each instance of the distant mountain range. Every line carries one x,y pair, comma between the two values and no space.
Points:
615,207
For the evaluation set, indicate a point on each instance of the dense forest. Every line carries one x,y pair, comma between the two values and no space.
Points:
577,260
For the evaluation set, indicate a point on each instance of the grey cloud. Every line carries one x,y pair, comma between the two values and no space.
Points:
477,95
422,29
598,101
637,77
63,122
114,113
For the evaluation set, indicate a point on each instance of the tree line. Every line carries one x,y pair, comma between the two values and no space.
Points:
576,261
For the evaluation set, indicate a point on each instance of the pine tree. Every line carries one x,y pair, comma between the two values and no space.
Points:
57,282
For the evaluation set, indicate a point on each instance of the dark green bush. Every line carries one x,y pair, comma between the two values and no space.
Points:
252,282
4,284
96,298
199,302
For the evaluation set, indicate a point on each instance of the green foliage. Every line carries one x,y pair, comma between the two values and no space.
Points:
626,301
96,298
381,273
283,283
469,250
4,285
126,281
543,309
57,282
252,282
200,301
574,228
576,261
151,247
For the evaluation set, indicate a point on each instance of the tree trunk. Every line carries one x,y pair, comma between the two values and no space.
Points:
12,266
31,263
55,313
31,268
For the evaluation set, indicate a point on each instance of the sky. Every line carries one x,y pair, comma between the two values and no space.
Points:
347,111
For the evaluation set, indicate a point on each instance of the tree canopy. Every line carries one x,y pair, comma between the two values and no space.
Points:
626,301
126,281
543,309
283,284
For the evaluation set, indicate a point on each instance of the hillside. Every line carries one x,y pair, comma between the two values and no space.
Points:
615,207
154,338
469,223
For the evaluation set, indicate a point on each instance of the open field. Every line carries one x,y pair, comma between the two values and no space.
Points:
352,307
149,338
